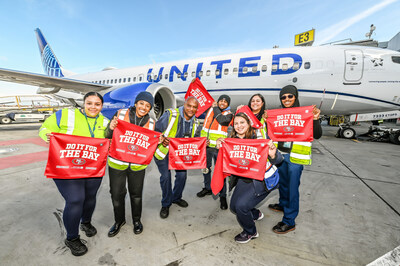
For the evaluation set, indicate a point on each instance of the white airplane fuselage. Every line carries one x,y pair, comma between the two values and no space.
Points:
341,80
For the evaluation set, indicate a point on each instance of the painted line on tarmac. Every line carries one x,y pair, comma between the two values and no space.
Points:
37,141
18,160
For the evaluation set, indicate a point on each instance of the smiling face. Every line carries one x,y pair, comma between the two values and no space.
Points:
190,108
222,104
142,108
241,126
93,106
256,104
288,100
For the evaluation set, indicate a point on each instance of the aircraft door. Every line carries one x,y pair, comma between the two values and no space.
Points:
354,67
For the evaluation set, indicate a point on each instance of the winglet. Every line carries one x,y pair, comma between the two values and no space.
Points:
50,63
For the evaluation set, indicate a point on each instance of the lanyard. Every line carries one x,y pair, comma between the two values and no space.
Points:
94,126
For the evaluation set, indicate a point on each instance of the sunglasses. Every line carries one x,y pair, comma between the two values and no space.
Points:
290,96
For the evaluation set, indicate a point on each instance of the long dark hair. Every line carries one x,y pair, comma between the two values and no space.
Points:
250,131
259,115
93,93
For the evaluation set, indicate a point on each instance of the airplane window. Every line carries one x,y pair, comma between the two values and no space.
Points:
108,81
115,81
254,69
217,72
193,74
161,77
155,77
140,78
296,66
235,70
166,76
185,75
120,80
284,67
226,71
274,67
200,73
264,68
307,65
208,72
244,70
179,75
111,82
396,59
134,79
129,79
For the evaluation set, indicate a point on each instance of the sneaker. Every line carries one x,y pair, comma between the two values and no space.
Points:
181,203
282,228
89,229
276,207
77,246
204,192
260,216
164,212
243,237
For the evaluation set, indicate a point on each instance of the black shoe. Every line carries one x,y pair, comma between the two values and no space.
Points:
78,248
181,203
276,207
114,230
89,229
204,192
137,227
243,237
164,212
223,204
282,228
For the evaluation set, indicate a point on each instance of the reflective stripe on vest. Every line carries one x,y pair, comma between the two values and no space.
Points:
270,170
301,153
212,129
70,121
261,133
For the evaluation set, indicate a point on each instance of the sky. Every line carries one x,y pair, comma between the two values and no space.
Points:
87,36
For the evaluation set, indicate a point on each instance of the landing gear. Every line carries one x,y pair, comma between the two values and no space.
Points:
345,131
394,137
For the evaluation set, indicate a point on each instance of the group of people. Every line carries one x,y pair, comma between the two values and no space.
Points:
80,194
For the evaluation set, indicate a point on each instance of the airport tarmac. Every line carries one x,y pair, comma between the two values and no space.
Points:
349,213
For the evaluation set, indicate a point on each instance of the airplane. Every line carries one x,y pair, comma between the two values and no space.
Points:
339,79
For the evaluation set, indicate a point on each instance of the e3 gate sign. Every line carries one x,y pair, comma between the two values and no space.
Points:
305,38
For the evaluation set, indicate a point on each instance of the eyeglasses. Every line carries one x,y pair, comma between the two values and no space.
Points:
290,96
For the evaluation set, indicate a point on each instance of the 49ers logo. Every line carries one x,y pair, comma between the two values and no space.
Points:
288,129
133,147
187,157
78,161
244,162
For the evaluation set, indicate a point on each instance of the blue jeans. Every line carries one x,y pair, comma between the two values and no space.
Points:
170,195
289,183
80,201
244,199
212,154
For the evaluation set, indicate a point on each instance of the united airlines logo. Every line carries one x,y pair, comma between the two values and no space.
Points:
244,162
288,129
187,158
133,147
50,63
78,161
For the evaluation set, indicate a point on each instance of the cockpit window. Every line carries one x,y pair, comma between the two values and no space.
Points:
396,59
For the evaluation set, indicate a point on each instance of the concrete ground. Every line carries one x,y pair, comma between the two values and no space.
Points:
349,213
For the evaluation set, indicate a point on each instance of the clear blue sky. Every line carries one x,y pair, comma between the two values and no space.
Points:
87,36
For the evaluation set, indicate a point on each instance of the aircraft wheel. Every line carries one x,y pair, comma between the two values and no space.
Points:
5,120
395,137
348,133
338,133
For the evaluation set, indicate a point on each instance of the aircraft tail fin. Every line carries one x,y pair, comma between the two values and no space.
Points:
50,63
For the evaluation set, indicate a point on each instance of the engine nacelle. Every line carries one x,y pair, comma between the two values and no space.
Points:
124,97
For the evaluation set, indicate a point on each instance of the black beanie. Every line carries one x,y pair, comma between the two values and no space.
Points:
292,90
145,96
226,98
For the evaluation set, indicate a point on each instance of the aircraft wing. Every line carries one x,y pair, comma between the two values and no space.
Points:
44,81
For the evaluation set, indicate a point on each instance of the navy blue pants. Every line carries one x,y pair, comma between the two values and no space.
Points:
243,202
212,154
80,201
289,183
170,195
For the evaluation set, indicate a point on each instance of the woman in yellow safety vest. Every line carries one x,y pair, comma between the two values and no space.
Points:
79,194
120,172
295,154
